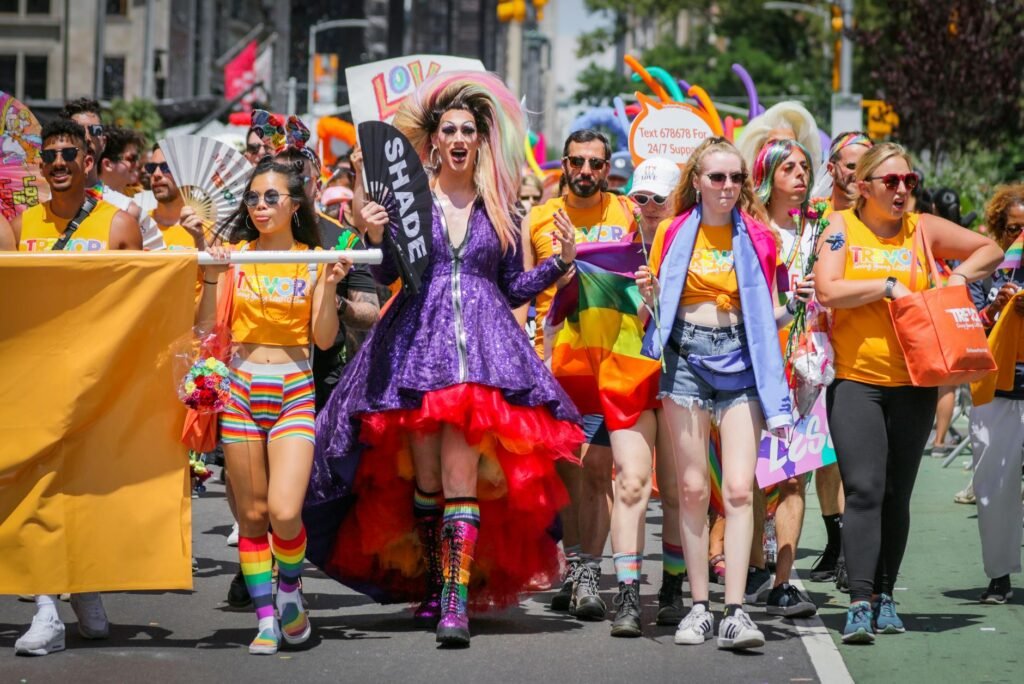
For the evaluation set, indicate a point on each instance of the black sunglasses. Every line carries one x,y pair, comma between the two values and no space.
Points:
271,197
891,181
718,178
151,168
596,163
95,130
68,154
1014,229
644,199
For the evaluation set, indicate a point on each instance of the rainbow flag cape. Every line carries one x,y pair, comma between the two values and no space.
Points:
1012,259
596,355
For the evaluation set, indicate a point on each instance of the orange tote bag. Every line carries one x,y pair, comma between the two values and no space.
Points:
939,330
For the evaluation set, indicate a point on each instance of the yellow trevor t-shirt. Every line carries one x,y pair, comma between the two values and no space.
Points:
863,337
609,221
712,277
41,228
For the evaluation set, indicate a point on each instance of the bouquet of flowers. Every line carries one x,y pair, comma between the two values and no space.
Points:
206,386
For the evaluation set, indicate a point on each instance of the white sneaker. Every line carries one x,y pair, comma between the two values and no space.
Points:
46,635
739,632
232,539
92,619
696,628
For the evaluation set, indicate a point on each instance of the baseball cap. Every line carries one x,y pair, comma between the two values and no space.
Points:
335,195
621,166
656,175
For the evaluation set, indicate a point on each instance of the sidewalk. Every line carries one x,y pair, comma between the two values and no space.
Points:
950,637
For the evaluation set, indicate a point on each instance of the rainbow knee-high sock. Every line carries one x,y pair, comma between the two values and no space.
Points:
254,556
673,562
627,566
290,554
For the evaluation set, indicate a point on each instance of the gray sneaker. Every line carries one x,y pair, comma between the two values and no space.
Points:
586,602
92,619
46,635
696,628
739,632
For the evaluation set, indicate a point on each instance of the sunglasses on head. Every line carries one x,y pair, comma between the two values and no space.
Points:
718,178
151,168
95,130
596,163
271,197
891,181
68,154
644,199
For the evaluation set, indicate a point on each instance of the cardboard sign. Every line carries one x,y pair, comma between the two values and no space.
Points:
811,448
672,131
376,89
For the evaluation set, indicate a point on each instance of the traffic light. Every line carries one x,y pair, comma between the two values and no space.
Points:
837,46
882,119
538,6
511,10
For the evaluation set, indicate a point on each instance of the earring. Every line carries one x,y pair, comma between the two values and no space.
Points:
434,152
248,223
295,219
698,197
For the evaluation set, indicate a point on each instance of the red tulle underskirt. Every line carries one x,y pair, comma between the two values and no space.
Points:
377,550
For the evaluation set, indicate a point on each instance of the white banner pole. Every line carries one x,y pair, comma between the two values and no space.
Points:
356,256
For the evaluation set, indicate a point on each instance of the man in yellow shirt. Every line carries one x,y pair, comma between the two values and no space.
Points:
597,216
176,230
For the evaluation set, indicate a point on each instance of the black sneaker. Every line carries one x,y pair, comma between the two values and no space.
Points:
787,601
824,569
627,617
563,597
998,592
759,582
586,603
238,593
842,577
670,599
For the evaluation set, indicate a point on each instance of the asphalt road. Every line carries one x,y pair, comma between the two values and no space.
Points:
195,636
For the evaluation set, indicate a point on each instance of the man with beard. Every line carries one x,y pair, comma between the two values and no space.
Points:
66,163
843,155
86,113
179,226
596,216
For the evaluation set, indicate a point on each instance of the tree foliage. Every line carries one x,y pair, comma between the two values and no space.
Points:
137,114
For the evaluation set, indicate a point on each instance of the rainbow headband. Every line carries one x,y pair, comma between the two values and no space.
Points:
845,141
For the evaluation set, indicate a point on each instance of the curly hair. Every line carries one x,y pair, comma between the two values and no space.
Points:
686,193
1006,197
499,120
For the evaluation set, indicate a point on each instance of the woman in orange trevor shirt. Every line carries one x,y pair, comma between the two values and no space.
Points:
882,421
268,427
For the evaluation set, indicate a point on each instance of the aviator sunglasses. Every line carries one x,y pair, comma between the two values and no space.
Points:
596,163
271,197
68,154
644,199
891,181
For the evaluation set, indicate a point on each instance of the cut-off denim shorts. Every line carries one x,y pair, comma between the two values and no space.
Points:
686,388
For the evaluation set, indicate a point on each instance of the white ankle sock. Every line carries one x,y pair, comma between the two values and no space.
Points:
46,607
266,623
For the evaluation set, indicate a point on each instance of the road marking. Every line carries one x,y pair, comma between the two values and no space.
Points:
825,657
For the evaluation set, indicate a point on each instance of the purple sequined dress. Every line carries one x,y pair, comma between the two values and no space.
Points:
452,354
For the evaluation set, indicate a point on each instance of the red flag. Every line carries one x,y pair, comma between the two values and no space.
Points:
240,72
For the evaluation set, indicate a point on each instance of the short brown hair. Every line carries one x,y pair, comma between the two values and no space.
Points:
999,206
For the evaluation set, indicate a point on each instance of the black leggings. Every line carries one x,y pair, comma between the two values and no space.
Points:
879,435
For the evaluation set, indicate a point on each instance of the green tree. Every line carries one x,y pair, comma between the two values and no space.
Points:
137,114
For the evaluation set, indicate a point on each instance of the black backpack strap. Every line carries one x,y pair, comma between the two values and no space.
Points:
83,213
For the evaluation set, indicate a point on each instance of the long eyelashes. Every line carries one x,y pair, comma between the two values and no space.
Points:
452,130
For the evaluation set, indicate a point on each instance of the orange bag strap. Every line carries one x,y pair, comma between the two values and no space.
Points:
919,237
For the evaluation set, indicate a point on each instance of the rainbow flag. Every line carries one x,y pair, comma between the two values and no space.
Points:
596,355
1012,259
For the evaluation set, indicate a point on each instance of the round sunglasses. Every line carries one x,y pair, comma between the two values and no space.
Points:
271,197
644,199
891,181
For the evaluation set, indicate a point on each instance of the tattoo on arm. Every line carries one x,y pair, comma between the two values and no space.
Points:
360,310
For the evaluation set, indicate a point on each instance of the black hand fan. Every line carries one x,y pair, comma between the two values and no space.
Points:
395,179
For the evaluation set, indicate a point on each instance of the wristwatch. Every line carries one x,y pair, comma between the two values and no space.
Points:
890,283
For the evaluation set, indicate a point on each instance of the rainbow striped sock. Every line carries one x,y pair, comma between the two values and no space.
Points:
672,559
426,505
254,557
290,554
627,566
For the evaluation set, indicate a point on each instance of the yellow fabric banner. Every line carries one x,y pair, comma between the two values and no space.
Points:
94,486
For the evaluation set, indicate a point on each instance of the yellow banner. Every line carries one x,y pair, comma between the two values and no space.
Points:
94,488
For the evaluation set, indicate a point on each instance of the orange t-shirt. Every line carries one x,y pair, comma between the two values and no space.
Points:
609,221
863,338
712,276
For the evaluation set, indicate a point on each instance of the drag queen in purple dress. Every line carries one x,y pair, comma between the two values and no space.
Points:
434,475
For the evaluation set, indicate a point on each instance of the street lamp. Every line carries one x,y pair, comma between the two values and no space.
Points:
315,29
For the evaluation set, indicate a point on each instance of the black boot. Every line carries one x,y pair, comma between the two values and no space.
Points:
670,599
627,617
429,611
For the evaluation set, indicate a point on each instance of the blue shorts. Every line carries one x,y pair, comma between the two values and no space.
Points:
686,388
595,431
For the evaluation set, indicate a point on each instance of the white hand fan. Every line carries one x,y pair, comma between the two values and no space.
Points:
210,174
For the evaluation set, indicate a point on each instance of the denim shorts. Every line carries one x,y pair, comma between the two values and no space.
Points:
595,431
686,388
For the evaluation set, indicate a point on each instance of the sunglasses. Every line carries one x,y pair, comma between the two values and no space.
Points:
891,181
271,197
644,199
95,130
254,148
596,163
151,168
1014,229
718,178
68,154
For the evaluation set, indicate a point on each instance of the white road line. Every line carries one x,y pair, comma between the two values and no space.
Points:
824,655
